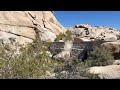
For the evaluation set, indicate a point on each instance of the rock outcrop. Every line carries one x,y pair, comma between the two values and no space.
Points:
108,35
114,47
25,26
95,32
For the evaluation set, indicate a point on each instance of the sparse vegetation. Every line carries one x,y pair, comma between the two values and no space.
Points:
75,69
34,63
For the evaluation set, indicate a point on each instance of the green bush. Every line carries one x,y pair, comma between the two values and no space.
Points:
32,63
99,57
64,36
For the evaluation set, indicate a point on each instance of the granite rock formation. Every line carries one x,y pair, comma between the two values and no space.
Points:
25,26
89,32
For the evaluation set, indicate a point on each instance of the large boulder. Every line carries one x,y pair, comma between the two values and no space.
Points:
25,26
116,62
62,56
106,72
112,46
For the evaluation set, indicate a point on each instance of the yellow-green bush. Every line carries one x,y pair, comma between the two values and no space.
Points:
64,36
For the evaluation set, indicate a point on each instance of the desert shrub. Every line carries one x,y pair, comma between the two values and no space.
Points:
64,36
60,37
32,63
99,57
73,70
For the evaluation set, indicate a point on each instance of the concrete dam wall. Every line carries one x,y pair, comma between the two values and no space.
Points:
79,49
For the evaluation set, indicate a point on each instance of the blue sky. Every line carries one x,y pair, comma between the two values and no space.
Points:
95,18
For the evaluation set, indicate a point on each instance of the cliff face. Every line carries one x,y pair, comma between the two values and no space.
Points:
25,26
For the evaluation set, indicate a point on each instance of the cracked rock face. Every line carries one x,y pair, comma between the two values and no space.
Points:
25,26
